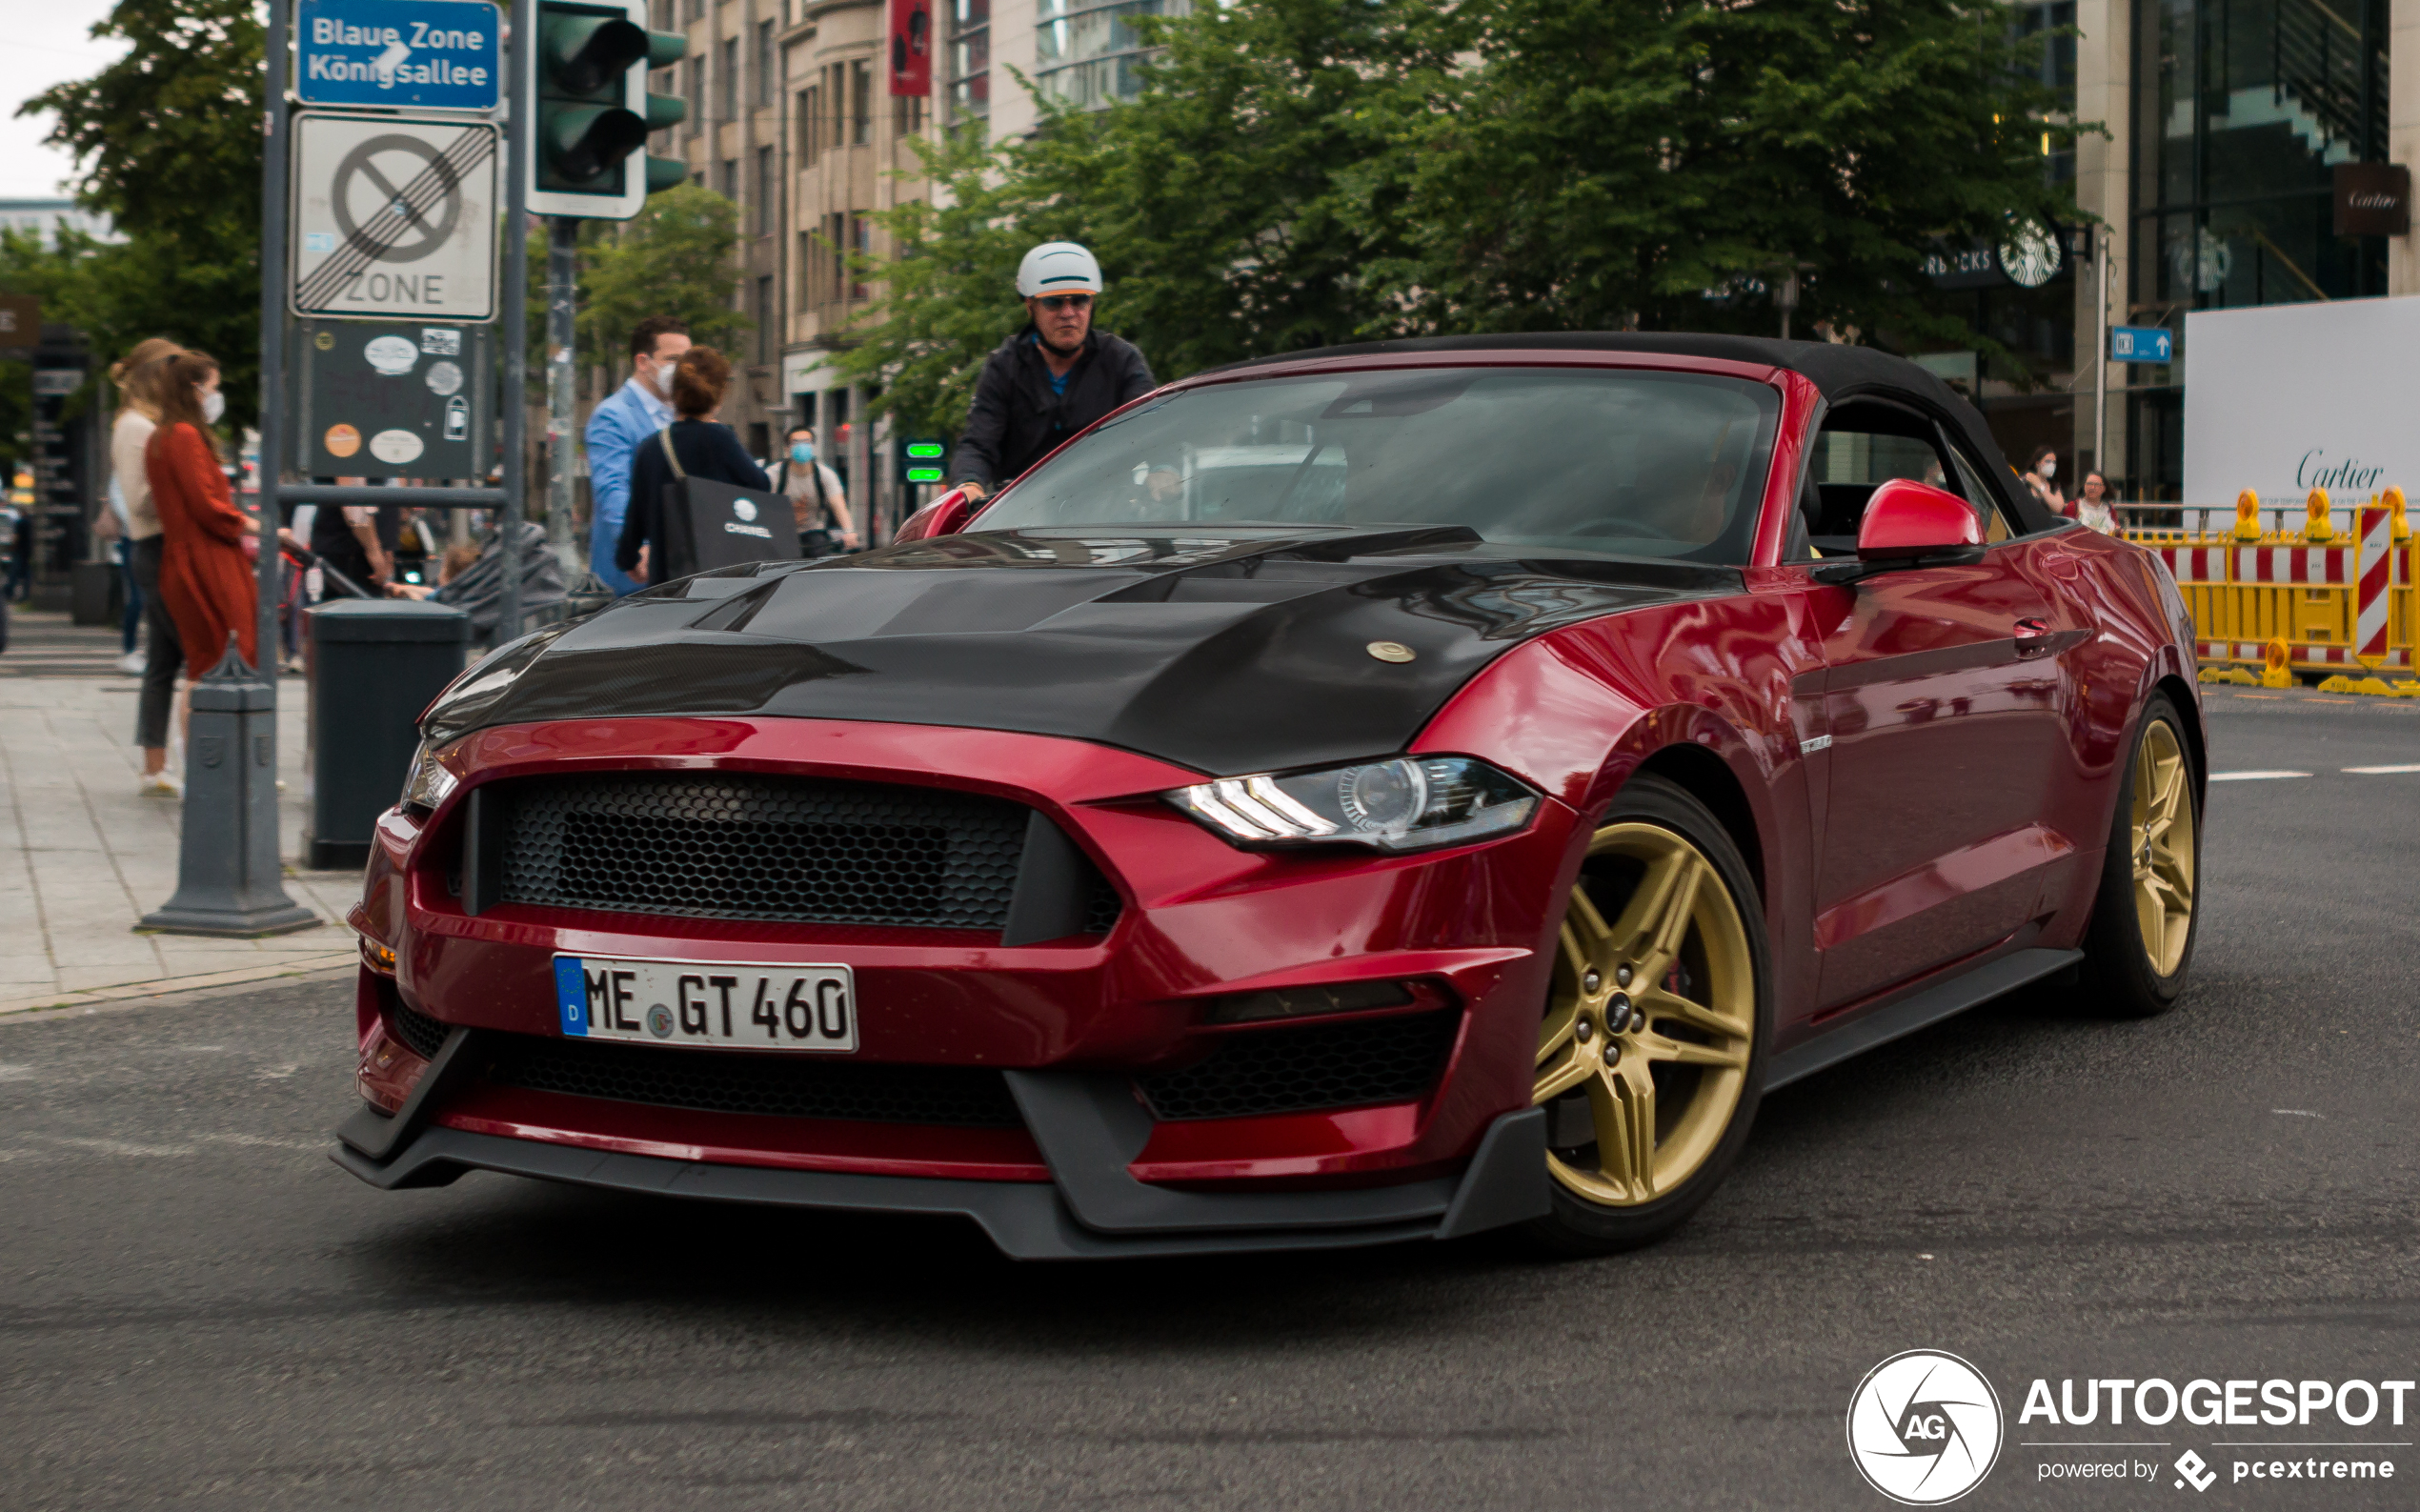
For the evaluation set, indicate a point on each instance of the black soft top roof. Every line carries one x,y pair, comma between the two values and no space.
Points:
1838,371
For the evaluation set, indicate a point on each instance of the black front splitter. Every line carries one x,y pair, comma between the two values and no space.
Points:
1089,1129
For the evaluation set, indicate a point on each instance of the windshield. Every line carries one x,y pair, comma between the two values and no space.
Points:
1624,462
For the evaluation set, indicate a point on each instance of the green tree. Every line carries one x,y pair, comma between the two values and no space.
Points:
1235,208
674,257
1301,173
168,140
1611,162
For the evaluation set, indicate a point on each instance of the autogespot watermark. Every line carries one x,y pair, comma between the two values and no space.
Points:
1925,1428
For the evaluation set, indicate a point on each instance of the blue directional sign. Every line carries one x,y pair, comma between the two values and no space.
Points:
2141,344
423,54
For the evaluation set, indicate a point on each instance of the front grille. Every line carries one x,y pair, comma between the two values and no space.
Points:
780,1086
1302,1070
420,1034
747,846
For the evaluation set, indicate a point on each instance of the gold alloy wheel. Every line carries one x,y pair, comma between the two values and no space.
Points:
2163,847
1652,1016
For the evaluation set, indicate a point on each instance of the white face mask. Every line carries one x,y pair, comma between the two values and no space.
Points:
664,379
2050,467
214,405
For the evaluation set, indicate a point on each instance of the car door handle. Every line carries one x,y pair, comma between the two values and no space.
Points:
2034,636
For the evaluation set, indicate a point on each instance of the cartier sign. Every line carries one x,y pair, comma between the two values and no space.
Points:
2373,199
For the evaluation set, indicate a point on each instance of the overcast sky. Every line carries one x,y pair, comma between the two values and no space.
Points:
49,41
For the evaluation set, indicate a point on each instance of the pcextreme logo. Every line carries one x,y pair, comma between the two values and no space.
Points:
1924,1427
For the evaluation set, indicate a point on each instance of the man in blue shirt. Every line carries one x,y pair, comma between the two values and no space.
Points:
632,414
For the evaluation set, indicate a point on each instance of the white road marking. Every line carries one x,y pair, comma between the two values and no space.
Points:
264,1142
2253,776
2379,772
120,1146
2297,1113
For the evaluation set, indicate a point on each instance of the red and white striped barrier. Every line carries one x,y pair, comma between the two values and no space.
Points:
2376,576
2301,655
2319,566
2195,564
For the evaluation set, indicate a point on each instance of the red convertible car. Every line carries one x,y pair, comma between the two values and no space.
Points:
1382,792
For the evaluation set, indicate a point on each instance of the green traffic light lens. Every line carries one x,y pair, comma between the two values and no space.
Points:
584,54
585,141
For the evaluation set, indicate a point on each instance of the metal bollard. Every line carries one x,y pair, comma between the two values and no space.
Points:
228,879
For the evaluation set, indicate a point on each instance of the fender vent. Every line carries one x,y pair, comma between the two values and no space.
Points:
1302,1070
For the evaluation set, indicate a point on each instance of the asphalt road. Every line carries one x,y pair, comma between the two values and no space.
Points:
198,1310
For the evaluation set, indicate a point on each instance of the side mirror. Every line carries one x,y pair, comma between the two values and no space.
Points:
945,515
1908,522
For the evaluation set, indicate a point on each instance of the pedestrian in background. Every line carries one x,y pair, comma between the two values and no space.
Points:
2092,505
627,416
818,500
1051,379
138,376
109,530
2041,472
694,444
205,575
359,540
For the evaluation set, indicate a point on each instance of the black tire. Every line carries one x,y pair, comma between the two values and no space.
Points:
2119,977
1578,1227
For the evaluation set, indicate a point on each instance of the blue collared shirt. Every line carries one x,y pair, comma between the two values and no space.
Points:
629,417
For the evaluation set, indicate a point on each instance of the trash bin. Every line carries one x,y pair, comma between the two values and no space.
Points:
373,665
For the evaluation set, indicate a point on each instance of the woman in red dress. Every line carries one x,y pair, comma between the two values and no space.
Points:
206,579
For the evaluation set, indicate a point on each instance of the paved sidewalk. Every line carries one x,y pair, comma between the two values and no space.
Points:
82,857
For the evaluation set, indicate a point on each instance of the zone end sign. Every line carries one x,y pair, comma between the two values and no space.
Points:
423,54
393,217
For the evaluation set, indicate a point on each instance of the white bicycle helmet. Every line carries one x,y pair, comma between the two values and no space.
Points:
1058,268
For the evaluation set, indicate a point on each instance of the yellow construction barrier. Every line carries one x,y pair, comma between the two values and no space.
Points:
2318,599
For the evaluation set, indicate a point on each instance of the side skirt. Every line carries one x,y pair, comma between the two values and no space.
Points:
1923,1009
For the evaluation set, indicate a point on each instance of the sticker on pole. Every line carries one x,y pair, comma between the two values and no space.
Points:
393,217
422,55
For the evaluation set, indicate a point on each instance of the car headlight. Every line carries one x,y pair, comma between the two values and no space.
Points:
1409,803
429,782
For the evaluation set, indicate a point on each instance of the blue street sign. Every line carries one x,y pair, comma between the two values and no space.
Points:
424,54
2141,344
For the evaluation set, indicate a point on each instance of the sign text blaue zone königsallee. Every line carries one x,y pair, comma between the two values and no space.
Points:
423,54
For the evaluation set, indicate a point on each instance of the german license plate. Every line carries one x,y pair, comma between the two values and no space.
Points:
718,1005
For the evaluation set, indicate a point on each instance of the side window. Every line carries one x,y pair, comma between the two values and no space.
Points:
1866,443
1860,446
1995,520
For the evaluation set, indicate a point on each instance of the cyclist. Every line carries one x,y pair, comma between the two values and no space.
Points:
1051,379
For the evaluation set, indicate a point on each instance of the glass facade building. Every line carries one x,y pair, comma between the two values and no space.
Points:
2242,111
1086,53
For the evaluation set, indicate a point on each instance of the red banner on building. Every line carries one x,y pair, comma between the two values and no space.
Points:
912,46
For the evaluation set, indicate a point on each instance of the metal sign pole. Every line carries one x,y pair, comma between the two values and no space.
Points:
229,873
2101,238
517,321
274,164
562,273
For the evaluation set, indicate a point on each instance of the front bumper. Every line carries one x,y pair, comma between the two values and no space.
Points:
1081,1166
1092,1208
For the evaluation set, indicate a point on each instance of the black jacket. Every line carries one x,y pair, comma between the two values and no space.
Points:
707,449
1016,417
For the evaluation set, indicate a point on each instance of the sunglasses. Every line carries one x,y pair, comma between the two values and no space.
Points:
1059,302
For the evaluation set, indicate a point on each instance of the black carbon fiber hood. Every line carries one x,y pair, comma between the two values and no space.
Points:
1224,649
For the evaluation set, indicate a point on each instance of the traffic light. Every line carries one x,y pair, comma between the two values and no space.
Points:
921,459
590,109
